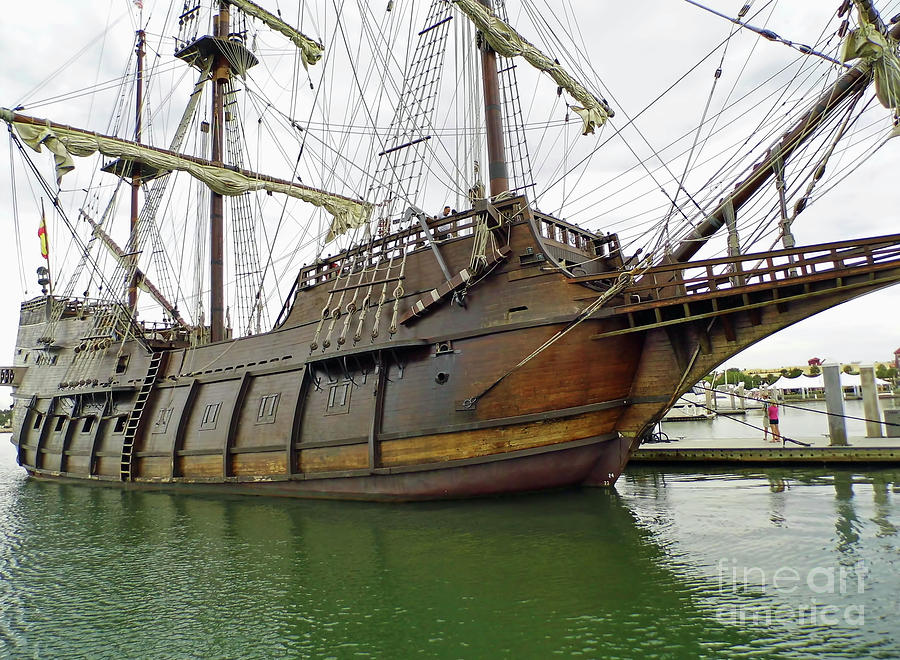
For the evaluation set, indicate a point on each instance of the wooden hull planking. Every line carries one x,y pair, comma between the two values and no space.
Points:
298,412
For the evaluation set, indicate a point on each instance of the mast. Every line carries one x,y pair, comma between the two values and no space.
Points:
493,117
136,178
221,73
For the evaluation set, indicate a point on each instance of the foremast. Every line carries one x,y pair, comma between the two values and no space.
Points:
498,37
219,58
493,117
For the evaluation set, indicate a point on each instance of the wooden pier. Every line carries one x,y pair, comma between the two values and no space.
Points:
748,450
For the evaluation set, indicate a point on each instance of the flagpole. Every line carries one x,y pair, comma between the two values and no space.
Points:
45,248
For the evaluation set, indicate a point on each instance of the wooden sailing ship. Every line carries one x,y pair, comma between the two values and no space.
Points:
497,349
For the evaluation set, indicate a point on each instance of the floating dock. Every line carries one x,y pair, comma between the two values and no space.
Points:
747,450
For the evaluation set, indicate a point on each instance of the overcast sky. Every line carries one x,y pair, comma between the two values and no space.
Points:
37,39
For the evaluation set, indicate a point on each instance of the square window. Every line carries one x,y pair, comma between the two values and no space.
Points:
161,424
60,420
120,424
338,398
268,406
210,416
87,425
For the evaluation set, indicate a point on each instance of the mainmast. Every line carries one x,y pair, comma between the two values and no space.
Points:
493,116
221,75
228,56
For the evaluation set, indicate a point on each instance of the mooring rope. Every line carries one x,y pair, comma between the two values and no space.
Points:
788,405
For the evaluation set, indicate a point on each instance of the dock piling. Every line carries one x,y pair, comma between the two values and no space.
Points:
834,403
870,402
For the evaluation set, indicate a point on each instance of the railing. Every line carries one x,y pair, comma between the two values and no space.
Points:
733,273
383,248
455,226
575,237
119,319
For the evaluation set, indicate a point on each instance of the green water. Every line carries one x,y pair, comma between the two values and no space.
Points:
656,568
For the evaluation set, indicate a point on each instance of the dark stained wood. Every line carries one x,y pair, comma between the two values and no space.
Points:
184,413
71,425
233,423
48,421
296,424
728,328
377,414
493,117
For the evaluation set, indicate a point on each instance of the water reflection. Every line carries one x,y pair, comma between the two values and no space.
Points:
560,573
778,484
653,570
795,553
846,522
881,490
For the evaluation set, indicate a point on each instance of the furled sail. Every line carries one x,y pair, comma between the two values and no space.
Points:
65,142
506,41
310,50
880,52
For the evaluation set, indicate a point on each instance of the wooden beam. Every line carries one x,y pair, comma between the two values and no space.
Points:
296,433
233,420
728,327
42,434
95,436
377,413
181,427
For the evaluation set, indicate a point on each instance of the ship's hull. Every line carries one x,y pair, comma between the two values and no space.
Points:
519,390
563,466
385,428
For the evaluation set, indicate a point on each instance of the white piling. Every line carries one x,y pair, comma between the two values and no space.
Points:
834,404
870,402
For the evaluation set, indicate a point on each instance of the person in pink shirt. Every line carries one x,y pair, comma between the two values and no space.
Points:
772,412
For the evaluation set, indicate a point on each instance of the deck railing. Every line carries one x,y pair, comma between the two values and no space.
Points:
802,263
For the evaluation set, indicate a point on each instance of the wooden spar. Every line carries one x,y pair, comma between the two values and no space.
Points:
867,9
16,118
221,73
855,80
135,178
127,259
493,118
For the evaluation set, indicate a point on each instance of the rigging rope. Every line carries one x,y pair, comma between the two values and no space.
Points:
770,35
814,410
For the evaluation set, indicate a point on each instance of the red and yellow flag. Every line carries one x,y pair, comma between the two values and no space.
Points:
42,235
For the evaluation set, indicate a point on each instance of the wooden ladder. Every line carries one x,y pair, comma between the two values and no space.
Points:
134,419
